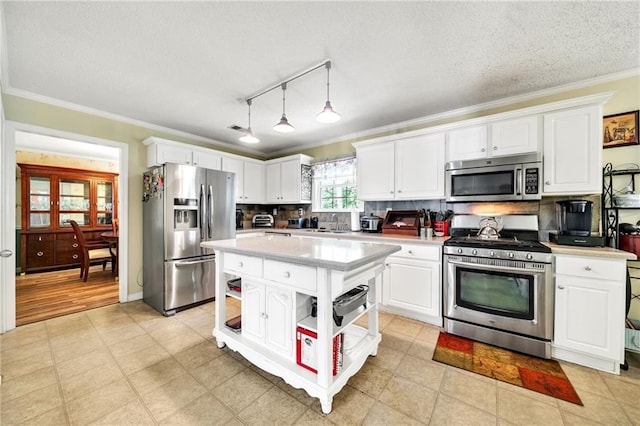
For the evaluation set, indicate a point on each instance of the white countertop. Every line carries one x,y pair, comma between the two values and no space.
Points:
590,251
338,254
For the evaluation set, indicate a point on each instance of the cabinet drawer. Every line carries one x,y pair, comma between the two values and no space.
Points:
37,238
590,267
239,263
419,252
40,254
302,277
67,252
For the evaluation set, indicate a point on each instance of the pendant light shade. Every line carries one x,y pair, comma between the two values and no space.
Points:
249,137
327,115
283,125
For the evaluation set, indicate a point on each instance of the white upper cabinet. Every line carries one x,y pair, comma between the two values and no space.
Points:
467,143
411,168
514,137
249,183
160,151
288,180
572,160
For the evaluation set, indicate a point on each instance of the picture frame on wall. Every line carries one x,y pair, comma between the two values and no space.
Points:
620,129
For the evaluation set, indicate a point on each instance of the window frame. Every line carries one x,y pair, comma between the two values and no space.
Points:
317,187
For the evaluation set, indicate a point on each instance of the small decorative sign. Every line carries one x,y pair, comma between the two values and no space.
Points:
620,129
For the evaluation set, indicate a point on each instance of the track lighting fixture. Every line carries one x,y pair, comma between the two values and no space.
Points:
327,115
283,125
249,137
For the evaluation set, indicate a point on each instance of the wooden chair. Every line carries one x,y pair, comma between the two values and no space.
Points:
91,253
115,224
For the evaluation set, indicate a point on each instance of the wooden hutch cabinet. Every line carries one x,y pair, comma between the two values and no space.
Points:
51,196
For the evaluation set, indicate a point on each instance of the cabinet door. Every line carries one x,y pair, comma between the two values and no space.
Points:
419,167
40,250
468,143
67,249
235,166
273,192
290,175
252,310
572,151
253,182
413,285
74,196
589,316
169,154
375,178
39,204
279,321
517,136
207,160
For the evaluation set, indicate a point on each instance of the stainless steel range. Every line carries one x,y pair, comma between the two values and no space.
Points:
498,285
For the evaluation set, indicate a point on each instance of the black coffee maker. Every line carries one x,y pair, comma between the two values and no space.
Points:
574,224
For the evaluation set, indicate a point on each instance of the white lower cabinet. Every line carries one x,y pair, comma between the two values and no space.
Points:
268,316
411,284
589,311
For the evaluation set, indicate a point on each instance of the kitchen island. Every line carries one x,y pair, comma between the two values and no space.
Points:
289,327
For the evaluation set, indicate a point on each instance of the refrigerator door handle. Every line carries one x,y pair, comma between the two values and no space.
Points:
203,213
211,212
194,262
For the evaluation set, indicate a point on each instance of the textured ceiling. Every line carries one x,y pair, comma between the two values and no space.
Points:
187,65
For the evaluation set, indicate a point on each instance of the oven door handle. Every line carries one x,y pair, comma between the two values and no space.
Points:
494,267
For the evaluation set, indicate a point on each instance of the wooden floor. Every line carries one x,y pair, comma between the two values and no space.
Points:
52,294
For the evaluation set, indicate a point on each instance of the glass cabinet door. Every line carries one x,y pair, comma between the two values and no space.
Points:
74,202
104,203
39,202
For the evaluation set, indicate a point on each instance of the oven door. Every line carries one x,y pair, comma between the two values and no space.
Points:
513,296
494,183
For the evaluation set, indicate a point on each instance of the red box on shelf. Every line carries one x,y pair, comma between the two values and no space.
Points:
307,350
441,228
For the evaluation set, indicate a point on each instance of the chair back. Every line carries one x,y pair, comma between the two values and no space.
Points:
115,223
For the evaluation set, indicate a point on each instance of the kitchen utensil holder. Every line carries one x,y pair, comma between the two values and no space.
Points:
441,228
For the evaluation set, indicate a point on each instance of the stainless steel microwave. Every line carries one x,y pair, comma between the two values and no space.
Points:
495,179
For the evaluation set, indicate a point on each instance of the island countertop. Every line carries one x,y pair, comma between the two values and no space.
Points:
341,255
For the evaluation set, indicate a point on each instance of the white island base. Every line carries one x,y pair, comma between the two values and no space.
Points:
276,298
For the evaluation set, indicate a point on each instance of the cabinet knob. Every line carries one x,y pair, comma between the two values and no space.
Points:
399,190
390,192
75,245
495,148
39,238
410,251
287,274
547,182
587,268
264,315
75,256
482,150
40,254
560,287
240,264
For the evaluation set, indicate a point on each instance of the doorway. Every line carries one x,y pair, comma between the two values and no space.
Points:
20,136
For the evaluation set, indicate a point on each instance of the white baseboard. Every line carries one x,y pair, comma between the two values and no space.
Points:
134,296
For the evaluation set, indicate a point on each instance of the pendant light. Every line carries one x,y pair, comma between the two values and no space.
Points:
283,125
249,137
328,115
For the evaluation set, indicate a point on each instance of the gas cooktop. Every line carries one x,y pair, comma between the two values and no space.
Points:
498,244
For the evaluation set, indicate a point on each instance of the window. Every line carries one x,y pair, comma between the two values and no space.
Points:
334,186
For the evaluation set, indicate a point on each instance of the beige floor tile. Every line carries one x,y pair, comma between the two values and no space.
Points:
76,386
299,394
242,390
429,333
350,407
27,383
131,414
70,348
95,359
384,318
31,405
478,393
182,342
387,358
69,325
172,396
205,410
198,355
16,353
398,342
171,329
426,373
312,418
106,324
26,365
422,349
217,371
633,412
371,379
570,419
410,398
100,402
143,358
55,417
540,397
381,414
597,408
405,326
586,379
273,407
115,335
131,345
625,391
156,375
519,409
22,336
452,411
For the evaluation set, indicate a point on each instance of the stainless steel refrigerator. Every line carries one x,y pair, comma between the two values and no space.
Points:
183,206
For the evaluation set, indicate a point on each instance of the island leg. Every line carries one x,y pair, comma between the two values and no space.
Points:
326,405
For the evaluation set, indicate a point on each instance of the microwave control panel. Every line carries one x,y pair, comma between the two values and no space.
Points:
531,179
